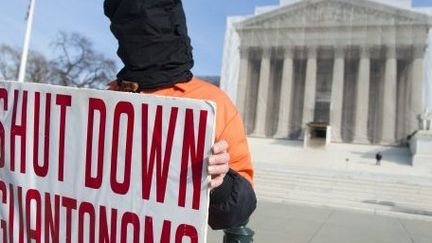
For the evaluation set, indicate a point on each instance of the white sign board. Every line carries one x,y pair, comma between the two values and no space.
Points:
80,165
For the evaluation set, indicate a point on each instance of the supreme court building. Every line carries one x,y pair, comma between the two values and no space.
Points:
356,65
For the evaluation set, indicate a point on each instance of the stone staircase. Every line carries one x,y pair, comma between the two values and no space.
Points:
377,193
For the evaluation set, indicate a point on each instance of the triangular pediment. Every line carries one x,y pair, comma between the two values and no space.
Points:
318,13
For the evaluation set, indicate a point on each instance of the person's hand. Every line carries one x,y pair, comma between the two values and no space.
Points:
126,86
218,164
113,86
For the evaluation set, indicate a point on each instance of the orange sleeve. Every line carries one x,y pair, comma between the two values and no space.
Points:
238,148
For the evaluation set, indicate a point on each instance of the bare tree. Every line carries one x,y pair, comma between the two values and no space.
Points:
78,64
9,62
38,67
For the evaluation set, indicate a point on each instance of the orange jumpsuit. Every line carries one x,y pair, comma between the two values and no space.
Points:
229,125
234,201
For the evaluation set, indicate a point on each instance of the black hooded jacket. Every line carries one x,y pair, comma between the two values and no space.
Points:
153,41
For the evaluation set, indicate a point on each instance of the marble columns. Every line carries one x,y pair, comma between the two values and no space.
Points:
310,85
263,94
416,87
242,85
389,97
286,94
337,94
386,129
362,99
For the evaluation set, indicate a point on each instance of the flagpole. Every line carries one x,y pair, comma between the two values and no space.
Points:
24,56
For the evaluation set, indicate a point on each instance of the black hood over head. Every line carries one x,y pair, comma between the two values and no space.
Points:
153,41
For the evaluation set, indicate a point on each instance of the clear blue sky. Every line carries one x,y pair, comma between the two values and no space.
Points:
206,20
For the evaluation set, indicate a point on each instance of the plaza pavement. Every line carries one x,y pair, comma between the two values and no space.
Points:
292,223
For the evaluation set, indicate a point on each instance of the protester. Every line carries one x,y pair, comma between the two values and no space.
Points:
156,51
378,158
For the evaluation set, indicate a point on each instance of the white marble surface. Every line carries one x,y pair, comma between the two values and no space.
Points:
421,149
428,74
230,69
231,64
396,3
231,57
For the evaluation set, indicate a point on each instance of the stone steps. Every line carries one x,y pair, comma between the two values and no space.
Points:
396,198
364,198
401,211
313,198
350,188
334,184
346,175
359,191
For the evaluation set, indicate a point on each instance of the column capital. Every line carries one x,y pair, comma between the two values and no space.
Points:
266,52
312,51
391,51
288,51
339,51
365,51
419,51
244,51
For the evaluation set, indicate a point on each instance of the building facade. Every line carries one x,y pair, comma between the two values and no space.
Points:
355,65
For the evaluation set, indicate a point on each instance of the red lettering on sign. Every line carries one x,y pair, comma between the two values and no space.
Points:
166,231
33,234
96,181
20,215
3,225
185,230
156,153
127,109
19,131
4,97
132,219
86,208
11,215
63,101
104,236
52,222
69,204
196,153
148,230
41,170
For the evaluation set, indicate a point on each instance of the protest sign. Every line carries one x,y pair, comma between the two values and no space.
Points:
80,165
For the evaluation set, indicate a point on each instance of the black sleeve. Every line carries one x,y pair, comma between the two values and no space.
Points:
232,203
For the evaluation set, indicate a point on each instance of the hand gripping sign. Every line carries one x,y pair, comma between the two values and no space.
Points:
80,165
